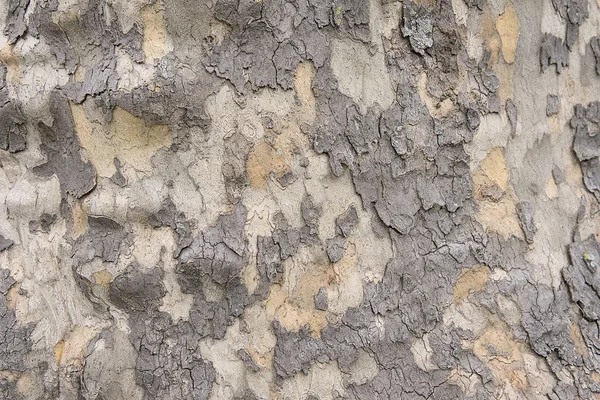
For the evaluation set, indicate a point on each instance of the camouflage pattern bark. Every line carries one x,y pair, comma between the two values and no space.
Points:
299,199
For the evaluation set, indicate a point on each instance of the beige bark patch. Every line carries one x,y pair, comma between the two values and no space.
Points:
102,278
263,160
156,41
551,188
303,86
126,137
580,346
508,28
496,199
436,108
26,385
79,213
490,38
71,349
497,348
293,303
10,57
471,280
494,167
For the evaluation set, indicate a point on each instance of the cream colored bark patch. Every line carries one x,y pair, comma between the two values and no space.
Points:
508,28
494,168
156,42
302,84
126,137
365,79
71,349
496,199
436,108
499,351
471,280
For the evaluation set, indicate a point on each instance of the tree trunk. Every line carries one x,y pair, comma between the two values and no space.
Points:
299,199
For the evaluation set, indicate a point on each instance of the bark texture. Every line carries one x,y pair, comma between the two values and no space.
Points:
299,199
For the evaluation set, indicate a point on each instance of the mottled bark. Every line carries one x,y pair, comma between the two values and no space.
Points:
299,199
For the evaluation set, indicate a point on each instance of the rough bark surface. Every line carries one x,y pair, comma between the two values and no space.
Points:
299,199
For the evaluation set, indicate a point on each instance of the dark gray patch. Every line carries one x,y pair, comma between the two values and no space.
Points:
268,264
321,302
418,26
595,45
577,13
169,216
43,224
287,179
169,364
117,178
311,214
5,243
490,80
553,50
512,114
479,4
15,341
104,238
15,20
237,148
346,222
586,122
14,130
218,252
285,236
552,105
248,361
61,146
525,213
582,276
473,119
137,291
558,175
335,248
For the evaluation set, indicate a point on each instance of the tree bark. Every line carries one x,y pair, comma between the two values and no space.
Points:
299,199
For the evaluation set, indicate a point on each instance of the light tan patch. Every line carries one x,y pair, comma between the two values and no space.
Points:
495,169
505,73
102,278
126,137
71,349
490,37
436,108
294,307
10,57
496,199
12,295
25,385
59,347
580,346
508,28
18,303
263,160
79,211
551,188
156,42
292,302
219,31
497,348
471,280
79,74
500,217
303,85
